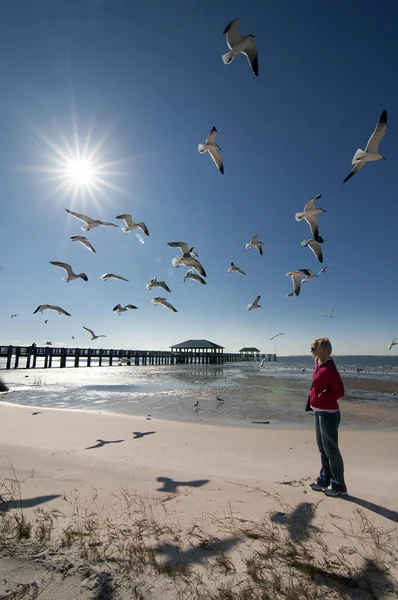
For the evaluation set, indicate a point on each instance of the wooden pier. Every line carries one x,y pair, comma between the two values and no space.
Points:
45,357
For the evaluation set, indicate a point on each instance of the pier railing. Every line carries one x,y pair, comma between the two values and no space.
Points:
31,357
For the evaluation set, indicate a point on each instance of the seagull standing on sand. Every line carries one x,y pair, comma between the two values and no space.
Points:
393,343
130,225
315,247
296,278
106,276
234,269
70,275
310,215
254,304
255,243
119,308
213,149
191,275
83,240
371,152
93,336
91,223
240,44
57,309
155,283
276,335
164,303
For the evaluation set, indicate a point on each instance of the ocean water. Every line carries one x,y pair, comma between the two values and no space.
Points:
170,391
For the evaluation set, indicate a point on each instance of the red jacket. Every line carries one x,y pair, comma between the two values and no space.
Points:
327,386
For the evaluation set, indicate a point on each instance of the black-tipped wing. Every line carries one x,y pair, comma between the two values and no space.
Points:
216,156
252,57
233,35
354,170
377,135
211,138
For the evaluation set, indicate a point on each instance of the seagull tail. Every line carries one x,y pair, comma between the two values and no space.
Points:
228,57
358,156
201,148
299,216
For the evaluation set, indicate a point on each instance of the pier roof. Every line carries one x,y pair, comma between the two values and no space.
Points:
249,350
196,344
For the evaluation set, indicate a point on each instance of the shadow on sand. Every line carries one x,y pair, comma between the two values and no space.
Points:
169,485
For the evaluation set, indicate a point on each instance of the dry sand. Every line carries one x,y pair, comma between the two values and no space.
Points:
188,470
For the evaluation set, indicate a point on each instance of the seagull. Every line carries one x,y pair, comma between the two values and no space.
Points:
220,400
155,283
393,343
130,225
213,149
49,343
189,262
191,275
255,243
371,151
91,223
185,251
309,277
315,247
196,404
238,44
70,275
330,315
234,269
12,316
83,240
93,336
274,336
73,337
289,295
254,304
57,309
296,278
310,215
45,322
323,270
106,276
119,309
164,303
264,360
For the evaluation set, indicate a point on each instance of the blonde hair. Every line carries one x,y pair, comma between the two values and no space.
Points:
323,348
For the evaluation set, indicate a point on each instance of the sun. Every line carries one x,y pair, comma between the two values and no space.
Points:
80,172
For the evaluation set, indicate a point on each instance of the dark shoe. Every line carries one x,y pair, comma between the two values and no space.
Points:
317,487
335,492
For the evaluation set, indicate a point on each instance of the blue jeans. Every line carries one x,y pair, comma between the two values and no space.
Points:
332,471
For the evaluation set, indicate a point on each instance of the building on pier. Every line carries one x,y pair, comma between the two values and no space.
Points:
250,351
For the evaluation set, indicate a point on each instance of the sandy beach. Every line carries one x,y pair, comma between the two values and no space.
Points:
188,474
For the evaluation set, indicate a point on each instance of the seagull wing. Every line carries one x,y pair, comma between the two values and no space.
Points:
356,168
192,262
41,307
380,129
211,138
183,246
296,282
127,219
164,285
257,300
317,250
313,223
143,228
131,306
80,216
112,276
216,156
89,330
63,265
252,57
58,309
233,35
117,307
83,240
239,270
260,248
166,304
311,203
108,224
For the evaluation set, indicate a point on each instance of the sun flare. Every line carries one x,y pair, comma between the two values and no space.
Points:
80,172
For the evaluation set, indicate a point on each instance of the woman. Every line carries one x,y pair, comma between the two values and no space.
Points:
326,389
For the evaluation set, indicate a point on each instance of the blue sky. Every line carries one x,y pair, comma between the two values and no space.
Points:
147,82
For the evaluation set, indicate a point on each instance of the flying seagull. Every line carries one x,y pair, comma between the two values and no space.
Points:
12,316
57,309
323,270
274,336
93,336
49,343
185,251
289,295
254,304
164,303
45,322
309,277
310,215
234,269
296,278
70,275
238,44
83,240
393,343
119,309
155,283
255,243
213,149
189,262
315,247
130,225
371,151
191,275
91,223
330,315
106,276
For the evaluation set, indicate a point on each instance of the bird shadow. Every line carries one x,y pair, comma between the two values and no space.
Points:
298,521
26,502
198,554
392,515
141,434
170,485
103,442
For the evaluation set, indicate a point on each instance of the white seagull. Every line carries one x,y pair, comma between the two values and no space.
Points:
309,277
164,303
119,308
155,283
393,343
296,278
238,44
57,309
70,275
371,151
93,336
315,247
91,223
255,243
254,304
106,276
274,336
191,275
189,262
185,251
323,270
213,149
310,215
234,269
330,315
130,225
83,240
